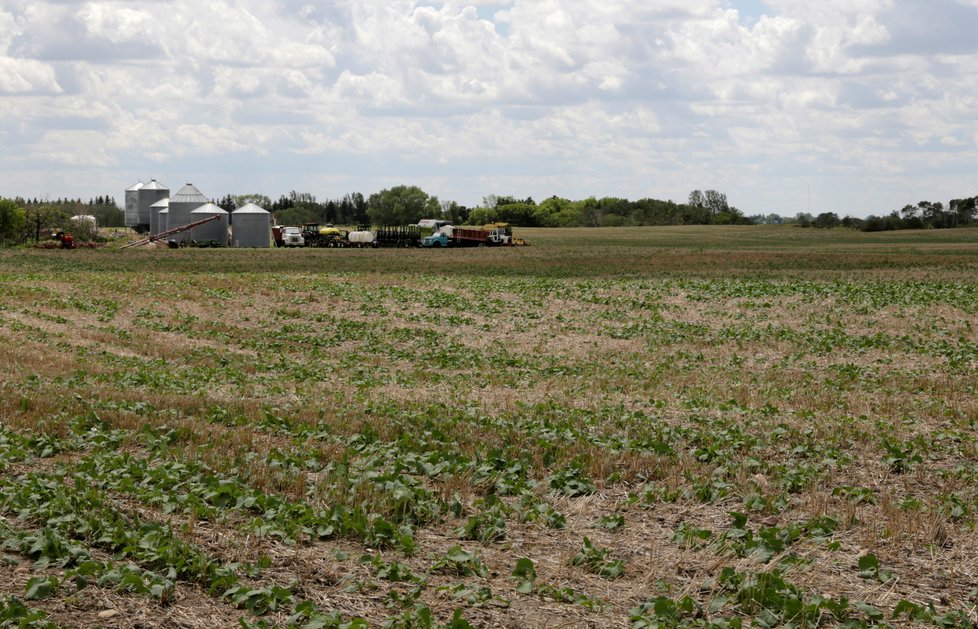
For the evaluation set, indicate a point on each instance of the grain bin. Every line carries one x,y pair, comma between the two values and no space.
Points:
132,205
155,226
162,220
251,226
181,205
215,232
149,194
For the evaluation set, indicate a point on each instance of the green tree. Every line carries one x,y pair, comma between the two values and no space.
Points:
520,214
965,211
454,212
402,205
108,215
261,200
12,222
45,217
556,212
827,220
297,216
227,203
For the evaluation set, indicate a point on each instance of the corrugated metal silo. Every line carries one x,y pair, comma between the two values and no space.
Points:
181,205
154,216
149,194
214,231
132,204
252,226
162,220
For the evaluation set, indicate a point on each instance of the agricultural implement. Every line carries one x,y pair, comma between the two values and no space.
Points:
328,236
171,232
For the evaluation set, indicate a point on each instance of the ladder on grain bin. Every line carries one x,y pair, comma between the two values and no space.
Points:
170,232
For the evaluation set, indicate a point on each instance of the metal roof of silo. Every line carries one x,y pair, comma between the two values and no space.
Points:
164,202
153,185
209,208
188,194
250,208
135,186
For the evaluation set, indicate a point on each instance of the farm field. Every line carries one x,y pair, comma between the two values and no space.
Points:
644,427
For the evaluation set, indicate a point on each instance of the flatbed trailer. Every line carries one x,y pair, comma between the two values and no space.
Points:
398,236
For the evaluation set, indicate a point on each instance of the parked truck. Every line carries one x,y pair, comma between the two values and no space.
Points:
449,236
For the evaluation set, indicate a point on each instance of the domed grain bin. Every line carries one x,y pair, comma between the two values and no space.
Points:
132,204
155,226
149,194
181,205
212,232
251,226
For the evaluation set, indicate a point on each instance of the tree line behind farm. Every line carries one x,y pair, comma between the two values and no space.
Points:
25,219
402,205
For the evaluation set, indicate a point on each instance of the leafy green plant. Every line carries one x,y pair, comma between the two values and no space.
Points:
461,563
13,613
611,522
526,574
487,526
870,568
571,482
41,587
596,560
260,601
900,458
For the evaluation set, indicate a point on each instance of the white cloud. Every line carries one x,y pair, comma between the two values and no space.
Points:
592,96
22,76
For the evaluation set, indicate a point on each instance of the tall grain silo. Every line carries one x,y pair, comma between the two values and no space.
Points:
148,194
181,205
132,205
214,231
155,226
252,226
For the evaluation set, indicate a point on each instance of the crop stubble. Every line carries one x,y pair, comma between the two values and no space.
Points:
671,376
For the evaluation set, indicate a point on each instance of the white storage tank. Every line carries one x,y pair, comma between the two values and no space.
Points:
251,226
155,227
185,201
362,238
214,231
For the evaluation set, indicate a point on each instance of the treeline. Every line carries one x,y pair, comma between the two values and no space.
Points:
22,219
297,208
923,215
703,208
103,208
404,205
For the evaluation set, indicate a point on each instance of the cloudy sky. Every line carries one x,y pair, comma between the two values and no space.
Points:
852,106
